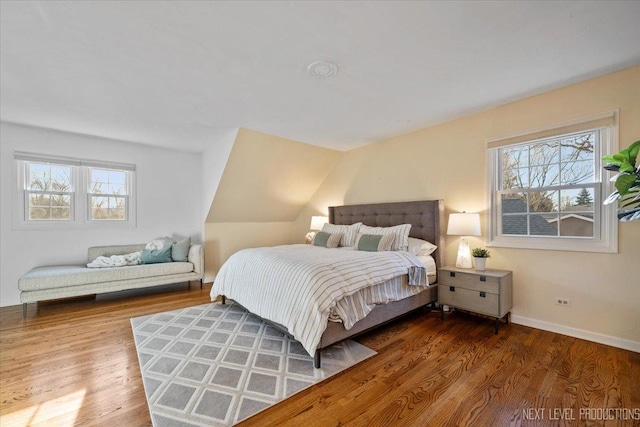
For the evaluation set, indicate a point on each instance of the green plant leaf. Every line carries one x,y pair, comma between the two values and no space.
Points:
634,149
627,167
624,182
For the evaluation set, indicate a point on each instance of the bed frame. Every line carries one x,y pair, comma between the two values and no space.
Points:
427,223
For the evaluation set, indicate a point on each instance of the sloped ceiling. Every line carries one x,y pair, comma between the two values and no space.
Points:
182,74
269,179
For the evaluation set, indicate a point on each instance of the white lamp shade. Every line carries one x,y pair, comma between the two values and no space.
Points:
464,224
317,222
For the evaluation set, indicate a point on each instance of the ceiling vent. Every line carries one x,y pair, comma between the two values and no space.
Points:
322,69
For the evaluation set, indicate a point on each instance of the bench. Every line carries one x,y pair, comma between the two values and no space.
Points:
64,281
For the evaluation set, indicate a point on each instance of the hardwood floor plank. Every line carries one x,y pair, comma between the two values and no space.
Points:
74,362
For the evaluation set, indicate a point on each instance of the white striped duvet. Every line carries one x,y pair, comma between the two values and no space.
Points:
297,285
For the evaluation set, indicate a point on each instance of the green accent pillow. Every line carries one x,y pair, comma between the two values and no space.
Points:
157,256
374,242
180,250
327,240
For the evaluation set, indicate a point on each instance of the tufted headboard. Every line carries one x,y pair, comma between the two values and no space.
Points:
426,218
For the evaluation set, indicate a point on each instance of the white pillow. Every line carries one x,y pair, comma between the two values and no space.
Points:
159,243
350,232
401,233
421,247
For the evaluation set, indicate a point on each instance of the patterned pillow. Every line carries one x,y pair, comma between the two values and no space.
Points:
350,232
374,242
327,240
401,233
157,251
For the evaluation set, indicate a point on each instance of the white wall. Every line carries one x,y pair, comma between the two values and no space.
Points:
213,160
169,201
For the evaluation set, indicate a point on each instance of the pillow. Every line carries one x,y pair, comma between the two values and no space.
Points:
327,240
401,233
180,250
374,242
157,251
350,232
421,247
158,243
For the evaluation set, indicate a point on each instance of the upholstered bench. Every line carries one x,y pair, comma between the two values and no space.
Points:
63,281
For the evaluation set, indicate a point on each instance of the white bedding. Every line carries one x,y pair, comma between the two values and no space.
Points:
134,258
355,307
297,285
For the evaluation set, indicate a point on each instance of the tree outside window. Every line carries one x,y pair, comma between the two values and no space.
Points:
49,192
547,187
108,194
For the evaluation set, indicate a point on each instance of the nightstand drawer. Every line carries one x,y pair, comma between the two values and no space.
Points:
472,300
477,281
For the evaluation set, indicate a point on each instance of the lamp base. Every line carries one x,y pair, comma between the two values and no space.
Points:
464,254
309,237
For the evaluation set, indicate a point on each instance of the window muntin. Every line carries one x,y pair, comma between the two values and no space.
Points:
547,187
108,194
48,192
518,191
53,192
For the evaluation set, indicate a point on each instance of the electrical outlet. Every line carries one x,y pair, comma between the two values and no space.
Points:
563,302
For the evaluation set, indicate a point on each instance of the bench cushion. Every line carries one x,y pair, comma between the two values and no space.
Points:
53,277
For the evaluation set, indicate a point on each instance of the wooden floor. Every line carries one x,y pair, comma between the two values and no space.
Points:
74,363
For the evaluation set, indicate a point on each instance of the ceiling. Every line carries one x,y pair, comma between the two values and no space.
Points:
182,74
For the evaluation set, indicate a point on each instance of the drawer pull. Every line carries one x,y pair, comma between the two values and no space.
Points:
452,274
483,294
483,278
452,288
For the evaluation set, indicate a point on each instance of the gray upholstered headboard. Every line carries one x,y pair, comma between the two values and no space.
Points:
426,218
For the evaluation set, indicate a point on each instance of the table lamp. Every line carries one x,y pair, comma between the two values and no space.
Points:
316,225
464,224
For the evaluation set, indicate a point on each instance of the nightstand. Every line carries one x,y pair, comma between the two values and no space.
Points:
487,292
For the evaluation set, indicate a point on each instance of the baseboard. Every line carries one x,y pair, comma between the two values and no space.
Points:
578,333
209,279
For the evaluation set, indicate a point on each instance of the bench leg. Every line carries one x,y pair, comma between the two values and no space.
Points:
317,359
200,283
24,310
224,300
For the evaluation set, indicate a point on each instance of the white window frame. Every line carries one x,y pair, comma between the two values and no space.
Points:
127,196
27,192
605,237
80,197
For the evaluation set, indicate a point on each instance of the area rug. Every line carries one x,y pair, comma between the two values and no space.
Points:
216,365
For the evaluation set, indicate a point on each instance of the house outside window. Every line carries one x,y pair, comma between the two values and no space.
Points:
546,187
54,192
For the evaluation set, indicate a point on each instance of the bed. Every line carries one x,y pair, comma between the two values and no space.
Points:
426,219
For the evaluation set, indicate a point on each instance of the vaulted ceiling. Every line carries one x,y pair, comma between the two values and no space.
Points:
181,74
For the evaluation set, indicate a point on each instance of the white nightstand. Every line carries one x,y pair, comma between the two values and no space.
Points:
487,292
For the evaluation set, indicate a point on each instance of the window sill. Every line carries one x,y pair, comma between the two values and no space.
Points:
555,244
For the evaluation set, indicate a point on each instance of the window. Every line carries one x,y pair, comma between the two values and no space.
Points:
546,188
108,194
55,191
49,192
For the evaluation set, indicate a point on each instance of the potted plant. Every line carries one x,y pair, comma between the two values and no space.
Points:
627,182
480,256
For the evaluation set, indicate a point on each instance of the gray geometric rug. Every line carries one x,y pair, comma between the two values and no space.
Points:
216,365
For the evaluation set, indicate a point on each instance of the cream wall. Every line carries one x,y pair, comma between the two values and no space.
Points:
266,182
448,161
